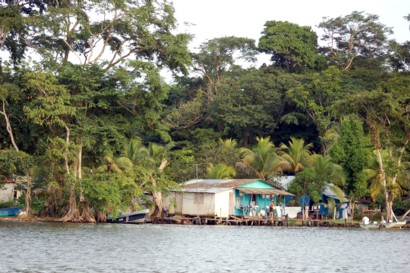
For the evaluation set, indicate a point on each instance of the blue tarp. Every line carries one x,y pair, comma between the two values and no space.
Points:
304,200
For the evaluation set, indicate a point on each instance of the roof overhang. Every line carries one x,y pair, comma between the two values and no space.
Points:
264,191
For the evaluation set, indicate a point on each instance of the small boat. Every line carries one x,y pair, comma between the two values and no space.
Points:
397,224
136,217
10,212
375,225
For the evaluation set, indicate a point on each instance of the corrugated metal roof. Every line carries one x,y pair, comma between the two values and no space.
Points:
215,183
264,191
204,190
220,185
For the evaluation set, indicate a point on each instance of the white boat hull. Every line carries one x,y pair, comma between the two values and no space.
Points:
398,224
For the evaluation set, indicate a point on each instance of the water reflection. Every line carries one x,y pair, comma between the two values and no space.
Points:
55,247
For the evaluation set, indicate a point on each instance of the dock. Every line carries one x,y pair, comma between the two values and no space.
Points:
251,221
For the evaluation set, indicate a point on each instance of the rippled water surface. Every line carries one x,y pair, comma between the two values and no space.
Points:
56,247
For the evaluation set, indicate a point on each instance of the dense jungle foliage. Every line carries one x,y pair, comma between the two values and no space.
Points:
89,120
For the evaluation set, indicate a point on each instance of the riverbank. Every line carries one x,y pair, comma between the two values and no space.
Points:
29,220
179,220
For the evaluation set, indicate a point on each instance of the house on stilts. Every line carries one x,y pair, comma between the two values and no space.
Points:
225,198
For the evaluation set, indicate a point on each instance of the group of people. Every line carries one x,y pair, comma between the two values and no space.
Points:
271,210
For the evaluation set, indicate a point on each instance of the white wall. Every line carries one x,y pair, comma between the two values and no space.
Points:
7,192
173,202
213,204
292,211
205,208
222,203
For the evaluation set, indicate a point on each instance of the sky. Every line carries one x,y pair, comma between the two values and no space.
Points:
245,18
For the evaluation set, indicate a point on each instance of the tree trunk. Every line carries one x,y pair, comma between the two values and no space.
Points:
157,210
86,215
246,136
67,143
8,127
101,217
351,206
389,210
389,204
28,212
73,214
28,197
306,216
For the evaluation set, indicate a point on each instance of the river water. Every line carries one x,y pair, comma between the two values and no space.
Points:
57,247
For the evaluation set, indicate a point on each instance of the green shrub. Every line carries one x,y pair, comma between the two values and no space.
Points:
11,204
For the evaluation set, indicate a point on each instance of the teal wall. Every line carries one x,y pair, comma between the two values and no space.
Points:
243,207
243,200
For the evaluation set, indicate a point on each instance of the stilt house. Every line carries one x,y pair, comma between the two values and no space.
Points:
223,197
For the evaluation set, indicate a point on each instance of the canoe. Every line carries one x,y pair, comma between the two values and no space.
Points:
9,212
136,217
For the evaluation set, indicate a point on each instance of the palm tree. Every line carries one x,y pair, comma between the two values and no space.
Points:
120,172
296,154
114,165
374,177
330,175
229,143
327,171
327,140
145,165
262,160
220,171
152,161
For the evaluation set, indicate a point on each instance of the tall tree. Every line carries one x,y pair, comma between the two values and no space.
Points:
316,98
217,56
249,103
352,150
123,29
14,27
292,47
353,36
386,114
50,107
9,94
399,56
